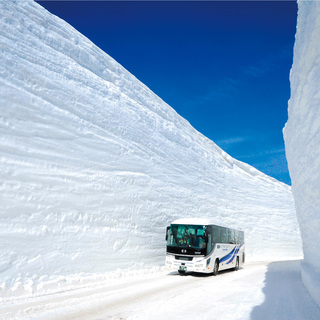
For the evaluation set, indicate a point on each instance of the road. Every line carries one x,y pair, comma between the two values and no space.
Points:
257,291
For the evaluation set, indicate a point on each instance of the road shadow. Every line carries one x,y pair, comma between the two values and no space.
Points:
199,274
285,295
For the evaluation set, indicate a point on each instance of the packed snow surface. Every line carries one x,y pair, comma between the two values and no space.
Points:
302,139
260,291
94,165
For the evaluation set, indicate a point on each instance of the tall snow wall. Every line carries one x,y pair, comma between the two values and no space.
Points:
302,139
94,165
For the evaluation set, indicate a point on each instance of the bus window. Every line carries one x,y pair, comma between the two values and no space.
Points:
230,236
224,235
241,236
200,239
187,236
236,236
216,234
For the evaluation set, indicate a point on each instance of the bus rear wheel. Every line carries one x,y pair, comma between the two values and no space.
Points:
216,267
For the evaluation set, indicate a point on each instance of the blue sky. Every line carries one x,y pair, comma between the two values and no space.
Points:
222,65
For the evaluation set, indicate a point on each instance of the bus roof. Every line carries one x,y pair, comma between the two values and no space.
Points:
201,222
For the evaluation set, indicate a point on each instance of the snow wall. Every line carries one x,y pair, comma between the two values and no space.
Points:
302,139
94,165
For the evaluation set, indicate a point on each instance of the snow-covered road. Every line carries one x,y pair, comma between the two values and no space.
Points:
257,291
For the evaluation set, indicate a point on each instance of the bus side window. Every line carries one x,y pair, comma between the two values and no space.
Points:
241,237
236,236
216,234
230,236
224,235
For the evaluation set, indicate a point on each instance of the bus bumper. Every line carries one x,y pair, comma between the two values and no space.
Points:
198,264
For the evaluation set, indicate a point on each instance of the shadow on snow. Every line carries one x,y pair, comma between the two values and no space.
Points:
199,274
285,295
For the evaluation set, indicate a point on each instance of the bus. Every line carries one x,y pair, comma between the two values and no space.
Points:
202,245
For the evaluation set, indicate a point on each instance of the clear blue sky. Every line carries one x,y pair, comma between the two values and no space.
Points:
222,65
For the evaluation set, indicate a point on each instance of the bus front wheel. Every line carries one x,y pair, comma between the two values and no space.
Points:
216,267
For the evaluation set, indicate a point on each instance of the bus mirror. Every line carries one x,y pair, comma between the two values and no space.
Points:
167,233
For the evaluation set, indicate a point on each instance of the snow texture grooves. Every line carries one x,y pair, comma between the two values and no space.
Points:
302,139
94,165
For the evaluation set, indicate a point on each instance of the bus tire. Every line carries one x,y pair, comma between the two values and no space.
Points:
216,267
236,268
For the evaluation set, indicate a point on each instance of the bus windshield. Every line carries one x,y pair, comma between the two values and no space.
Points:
187,236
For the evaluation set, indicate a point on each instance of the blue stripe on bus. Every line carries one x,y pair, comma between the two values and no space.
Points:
234,254
230,256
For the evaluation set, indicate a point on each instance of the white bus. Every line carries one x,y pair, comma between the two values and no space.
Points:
202,245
